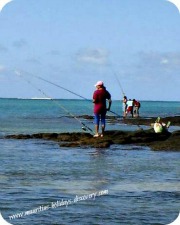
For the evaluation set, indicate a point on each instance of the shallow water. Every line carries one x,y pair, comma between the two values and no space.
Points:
141,186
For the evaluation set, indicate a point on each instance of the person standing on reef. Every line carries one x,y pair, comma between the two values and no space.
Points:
137,105
124,106
100,96
130,106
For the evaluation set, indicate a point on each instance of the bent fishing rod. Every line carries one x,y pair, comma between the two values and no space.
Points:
84,126
63,88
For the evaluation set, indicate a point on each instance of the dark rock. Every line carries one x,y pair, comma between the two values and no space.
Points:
18,136
172,143
165,141
161,141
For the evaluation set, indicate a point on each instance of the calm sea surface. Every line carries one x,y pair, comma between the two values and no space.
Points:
42,183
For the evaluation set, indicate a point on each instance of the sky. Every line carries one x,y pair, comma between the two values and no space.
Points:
133,46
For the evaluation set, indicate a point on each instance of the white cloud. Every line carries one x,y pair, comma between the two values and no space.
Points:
161,60
164,61
94,56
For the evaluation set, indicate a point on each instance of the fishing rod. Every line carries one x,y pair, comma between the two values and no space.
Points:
63,88
84,126
115,74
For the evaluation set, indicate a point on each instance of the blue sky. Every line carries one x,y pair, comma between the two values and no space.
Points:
75,43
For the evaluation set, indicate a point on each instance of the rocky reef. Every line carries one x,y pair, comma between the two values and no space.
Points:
164,141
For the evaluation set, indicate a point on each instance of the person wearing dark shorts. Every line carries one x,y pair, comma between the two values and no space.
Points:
100,96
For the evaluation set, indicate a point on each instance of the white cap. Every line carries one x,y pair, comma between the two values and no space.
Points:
99,83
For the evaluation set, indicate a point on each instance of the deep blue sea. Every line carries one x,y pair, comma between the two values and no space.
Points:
45,184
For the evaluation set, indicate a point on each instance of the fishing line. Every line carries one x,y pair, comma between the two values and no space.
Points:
61,87
119,84
84,126
115,74
54,84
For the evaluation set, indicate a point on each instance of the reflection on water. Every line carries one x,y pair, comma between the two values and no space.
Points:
142,185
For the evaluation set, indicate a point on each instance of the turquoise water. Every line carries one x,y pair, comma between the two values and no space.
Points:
141,186
30,116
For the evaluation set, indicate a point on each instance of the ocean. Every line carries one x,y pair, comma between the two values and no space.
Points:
43,183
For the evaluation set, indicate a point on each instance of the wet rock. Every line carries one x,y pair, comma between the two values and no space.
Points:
18,136
170,144
161,141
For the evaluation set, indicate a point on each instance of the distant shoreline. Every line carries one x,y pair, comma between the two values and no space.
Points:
78,99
